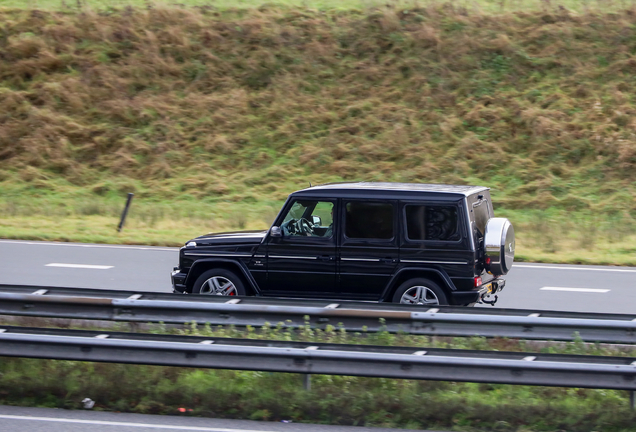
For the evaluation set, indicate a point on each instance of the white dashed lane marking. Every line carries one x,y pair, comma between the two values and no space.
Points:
587,290
81,266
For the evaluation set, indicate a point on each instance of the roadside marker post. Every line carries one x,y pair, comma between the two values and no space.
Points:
125,212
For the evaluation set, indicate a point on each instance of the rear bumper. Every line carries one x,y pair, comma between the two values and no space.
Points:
467,297
500,284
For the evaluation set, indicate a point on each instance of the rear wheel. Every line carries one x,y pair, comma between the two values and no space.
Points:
220,282
421,292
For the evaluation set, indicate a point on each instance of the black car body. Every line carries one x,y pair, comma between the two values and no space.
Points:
410,243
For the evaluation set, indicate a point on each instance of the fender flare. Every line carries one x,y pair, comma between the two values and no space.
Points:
244,271
440,273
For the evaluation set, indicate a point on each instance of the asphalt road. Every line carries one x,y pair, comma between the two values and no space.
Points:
56,420
140,268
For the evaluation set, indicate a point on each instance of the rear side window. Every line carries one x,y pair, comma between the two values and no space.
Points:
480,208
369,220
431,222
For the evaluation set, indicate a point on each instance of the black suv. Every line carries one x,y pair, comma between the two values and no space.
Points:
421,244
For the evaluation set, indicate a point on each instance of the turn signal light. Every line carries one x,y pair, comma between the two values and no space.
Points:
477,281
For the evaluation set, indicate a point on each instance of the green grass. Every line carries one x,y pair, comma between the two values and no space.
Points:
332,399
490,6
212,116
542,235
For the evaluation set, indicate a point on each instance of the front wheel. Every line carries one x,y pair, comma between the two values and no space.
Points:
421,292
219,282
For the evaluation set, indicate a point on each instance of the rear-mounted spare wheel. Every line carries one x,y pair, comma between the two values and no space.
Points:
499,245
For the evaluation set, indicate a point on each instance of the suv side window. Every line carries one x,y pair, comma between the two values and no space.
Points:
480,208
369,220
432,222
309,218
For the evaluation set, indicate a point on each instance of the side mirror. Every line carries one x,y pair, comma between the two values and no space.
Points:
316,220
275,231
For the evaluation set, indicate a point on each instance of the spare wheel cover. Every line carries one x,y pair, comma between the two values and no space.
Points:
499,245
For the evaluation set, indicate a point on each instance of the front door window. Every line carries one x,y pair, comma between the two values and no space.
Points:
309,219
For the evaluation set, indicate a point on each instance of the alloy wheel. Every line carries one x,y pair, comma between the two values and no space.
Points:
419,295
218,285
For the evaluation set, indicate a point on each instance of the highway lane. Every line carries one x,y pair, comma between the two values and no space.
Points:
603,289
56,420
141,268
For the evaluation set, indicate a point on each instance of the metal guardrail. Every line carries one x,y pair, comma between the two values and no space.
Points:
354,316
308,358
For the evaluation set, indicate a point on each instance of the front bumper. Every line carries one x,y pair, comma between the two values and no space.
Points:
178,281
479,294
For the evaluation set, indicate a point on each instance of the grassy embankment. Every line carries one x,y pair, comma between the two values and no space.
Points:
334,400
211,116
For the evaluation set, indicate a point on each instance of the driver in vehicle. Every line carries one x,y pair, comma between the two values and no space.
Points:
306,219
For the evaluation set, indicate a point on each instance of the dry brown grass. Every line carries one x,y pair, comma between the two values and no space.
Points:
250,103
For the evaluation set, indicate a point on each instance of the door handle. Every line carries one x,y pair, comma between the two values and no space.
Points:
325,258
387,260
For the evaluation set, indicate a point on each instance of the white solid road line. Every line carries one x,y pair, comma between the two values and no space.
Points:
111,423
87,245
590,290
557,267
82,266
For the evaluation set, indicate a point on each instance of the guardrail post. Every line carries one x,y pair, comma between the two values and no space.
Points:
632,399
307,382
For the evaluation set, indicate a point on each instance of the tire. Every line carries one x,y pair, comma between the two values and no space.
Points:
219,282
420,292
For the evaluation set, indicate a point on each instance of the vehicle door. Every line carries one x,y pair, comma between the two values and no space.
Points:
369,251
435,237
302,262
